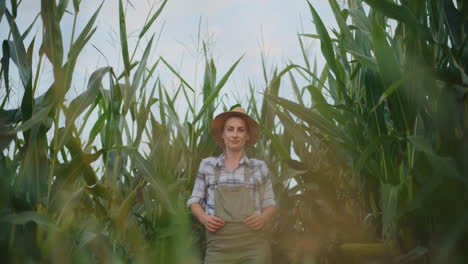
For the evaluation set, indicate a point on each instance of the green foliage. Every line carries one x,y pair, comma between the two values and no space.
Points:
383,117
66,190
378,154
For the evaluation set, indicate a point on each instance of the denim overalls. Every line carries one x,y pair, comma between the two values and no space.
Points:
235,242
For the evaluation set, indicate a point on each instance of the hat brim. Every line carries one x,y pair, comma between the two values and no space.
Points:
218,125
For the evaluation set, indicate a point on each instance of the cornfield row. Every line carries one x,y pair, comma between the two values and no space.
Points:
378,155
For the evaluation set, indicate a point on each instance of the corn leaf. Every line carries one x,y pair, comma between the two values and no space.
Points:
61,9
400,13
389,68
14,8
177,74
314,119
84,36
158,186
76,5
39,116
278,145
360,20
80,103
97,127
153,18
26,32
52,37
214,94
2,8
325,41
6,67
123,39
29,216
18,52
389,198
137,77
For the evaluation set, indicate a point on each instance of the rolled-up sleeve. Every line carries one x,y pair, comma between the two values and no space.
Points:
267,197
199,188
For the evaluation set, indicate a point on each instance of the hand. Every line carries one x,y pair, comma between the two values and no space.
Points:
255,222
212,223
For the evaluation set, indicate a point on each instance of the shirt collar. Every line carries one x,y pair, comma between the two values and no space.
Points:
220,160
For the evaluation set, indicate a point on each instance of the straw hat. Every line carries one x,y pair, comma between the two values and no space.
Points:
218,125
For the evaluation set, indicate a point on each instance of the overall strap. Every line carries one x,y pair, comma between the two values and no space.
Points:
247,173
217,174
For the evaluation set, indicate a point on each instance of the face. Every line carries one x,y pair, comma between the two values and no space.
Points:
235,133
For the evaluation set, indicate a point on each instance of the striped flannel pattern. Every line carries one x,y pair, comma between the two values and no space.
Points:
203,190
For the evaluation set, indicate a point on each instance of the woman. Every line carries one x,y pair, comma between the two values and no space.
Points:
232,196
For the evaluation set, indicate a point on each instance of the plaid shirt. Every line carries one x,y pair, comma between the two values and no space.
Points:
203,190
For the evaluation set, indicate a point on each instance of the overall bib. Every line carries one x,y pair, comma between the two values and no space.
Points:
235,242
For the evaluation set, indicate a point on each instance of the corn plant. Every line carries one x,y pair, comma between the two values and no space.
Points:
378,156
86,195
391,103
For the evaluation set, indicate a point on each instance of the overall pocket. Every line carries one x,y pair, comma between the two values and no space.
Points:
233,203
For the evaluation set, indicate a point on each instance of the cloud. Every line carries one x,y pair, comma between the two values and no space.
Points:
232,28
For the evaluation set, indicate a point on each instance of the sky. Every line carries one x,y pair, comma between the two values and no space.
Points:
231,29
